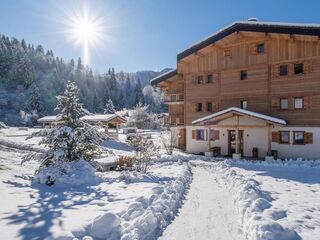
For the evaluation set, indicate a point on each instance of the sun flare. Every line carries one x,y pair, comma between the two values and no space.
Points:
85,31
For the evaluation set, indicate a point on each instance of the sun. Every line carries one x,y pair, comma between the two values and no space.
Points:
85,30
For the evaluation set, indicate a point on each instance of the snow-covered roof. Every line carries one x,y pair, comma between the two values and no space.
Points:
101,117
241,111
163,76
47,119
252,26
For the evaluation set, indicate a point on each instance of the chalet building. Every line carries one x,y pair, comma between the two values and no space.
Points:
250,89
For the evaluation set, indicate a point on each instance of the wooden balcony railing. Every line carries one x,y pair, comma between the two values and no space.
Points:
174,98
175,120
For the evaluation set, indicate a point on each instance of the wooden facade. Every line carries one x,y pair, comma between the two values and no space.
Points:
264,86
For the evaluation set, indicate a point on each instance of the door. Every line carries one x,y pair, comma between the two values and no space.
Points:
232,141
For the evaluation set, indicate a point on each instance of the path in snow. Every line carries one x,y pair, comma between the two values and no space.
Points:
207,213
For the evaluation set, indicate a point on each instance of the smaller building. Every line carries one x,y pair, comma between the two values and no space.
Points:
107,120
48,121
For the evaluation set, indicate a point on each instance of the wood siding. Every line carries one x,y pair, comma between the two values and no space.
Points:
264,87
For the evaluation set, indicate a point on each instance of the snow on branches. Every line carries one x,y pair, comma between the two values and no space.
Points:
145,149
71,139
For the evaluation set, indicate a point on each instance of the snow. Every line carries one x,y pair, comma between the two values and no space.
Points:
242,111
182,196
47,119
68,174
208,211
100,117
294,187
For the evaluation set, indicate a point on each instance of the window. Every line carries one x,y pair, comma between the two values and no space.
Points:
243,75
227,53
209,107
298,137
283,70
213,135
199,107
298,103
200,79
200,134
260,48
244,104
285,137
210,78
284,103
298,68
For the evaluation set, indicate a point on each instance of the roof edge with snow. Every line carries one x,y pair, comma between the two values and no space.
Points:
163,77
244,112
252,26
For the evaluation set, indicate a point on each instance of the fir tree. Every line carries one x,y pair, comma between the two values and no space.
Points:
71,139
109,107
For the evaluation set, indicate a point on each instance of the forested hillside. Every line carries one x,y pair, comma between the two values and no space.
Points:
31,78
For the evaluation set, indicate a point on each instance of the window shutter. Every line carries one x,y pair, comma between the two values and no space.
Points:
253,49
275,71
215,107
308,138
196,107
205,134
275,104
307,67
216,135
194,134
215,77
307,102
276,137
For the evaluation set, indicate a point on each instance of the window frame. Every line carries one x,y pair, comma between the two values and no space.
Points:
287,70
211,107
281,108
294,103
294,68
280,137
243,75
242,102
203,134
294,138
199,106
259,47
200,79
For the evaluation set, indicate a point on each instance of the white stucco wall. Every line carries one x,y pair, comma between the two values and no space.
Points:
307,151
256,137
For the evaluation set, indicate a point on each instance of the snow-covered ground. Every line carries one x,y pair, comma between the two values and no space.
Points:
208,212
181,197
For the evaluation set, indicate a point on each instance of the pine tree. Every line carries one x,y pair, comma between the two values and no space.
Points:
71,139
109,107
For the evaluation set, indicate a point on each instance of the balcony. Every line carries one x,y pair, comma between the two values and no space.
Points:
174,98
175,120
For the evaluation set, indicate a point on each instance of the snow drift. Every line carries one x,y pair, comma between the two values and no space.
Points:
251,202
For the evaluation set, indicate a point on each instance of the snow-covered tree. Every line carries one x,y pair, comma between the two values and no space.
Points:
71,139
109,107
168,139
145,149
141,118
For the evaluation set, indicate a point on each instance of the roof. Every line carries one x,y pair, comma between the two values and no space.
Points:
243,112
101,117
163,76
47,119
252,26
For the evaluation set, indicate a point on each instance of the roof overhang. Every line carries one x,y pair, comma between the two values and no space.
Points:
231,112
265,27
163,77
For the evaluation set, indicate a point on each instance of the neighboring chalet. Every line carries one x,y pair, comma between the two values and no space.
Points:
106,120
250,89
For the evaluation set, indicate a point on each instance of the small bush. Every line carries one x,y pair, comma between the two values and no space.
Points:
125,162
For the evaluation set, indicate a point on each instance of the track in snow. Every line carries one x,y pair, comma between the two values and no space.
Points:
207,213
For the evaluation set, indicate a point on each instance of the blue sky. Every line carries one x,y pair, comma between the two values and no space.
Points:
141,34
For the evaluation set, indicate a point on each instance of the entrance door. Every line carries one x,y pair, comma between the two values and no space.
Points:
232,141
